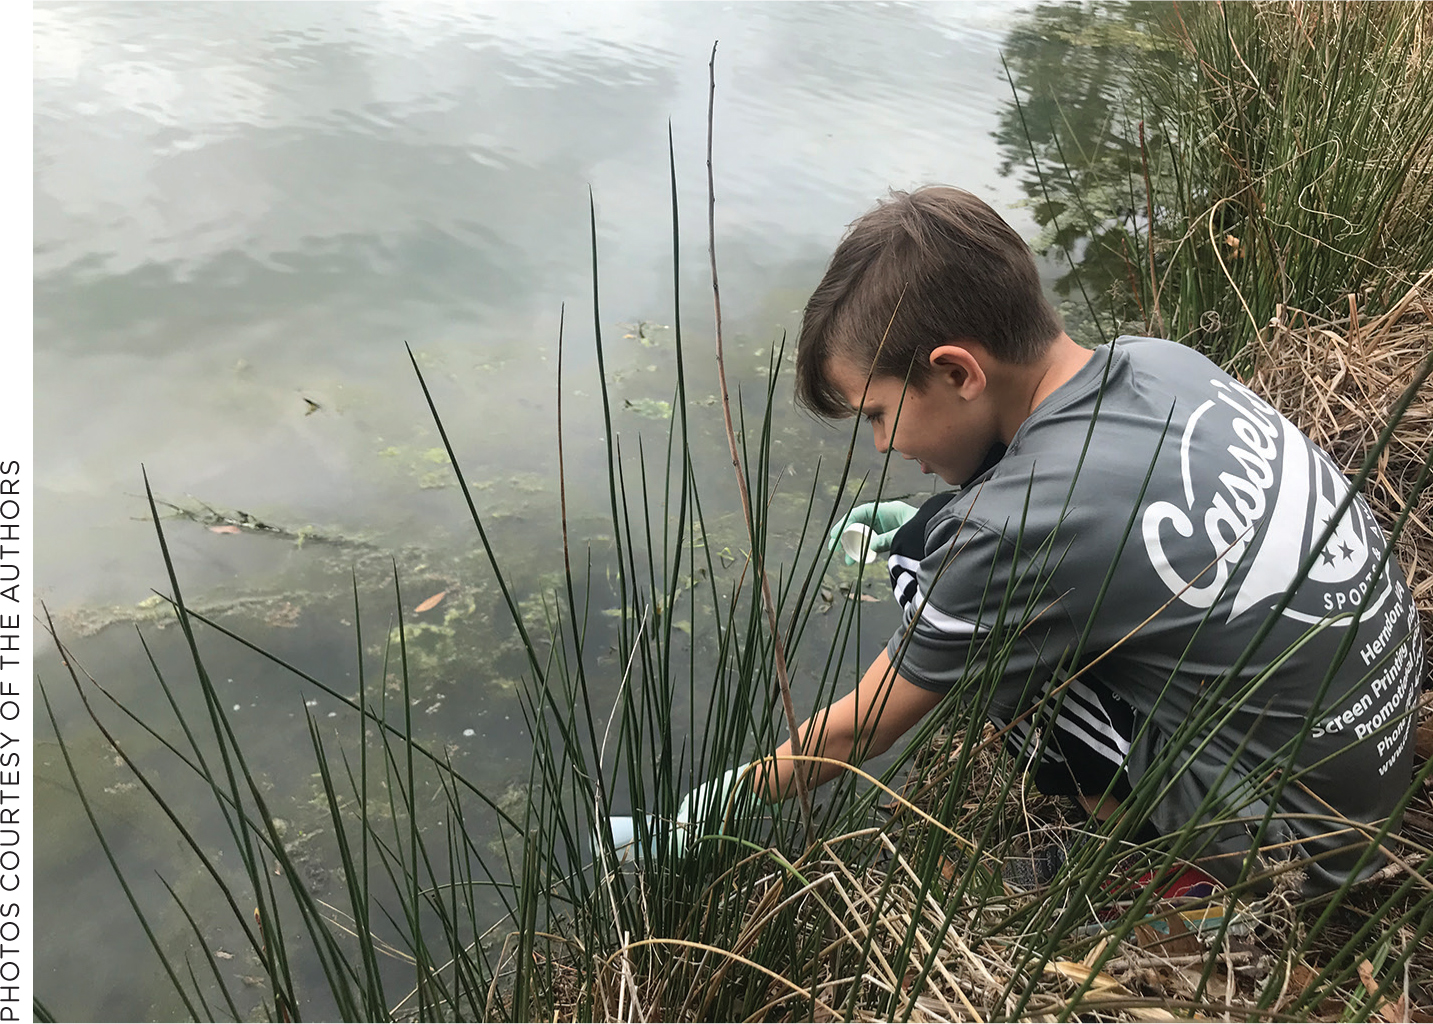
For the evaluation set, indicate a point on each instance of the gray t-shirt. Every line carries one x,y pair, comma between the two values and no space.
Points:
1197,502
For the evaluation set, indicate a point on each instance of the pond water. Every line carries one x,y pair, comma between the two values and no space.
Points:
244,211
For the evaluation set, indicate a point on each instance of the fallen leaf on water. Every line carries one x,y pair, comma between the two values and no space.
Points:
225,529
651,408
431,602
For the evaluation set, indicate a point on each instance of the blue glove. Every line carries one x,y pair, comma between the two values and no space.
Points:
725,799
883,519
623,833
722,800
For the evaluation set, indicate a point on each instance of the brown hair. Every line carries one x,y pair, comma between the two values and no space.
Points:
920,270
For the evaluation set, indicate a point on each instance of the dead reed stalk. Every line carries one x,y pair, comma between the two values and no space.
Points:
1337,380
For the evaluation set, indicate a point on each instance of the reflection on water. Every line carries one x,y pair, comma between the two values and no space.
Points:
240,207
1072,64
243,211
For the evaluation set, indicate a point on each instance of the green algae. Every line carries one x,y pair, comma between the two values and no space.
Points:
649,408
647,333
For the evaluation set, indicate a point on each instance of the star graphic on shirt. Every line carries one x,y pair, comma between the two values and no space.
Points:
1346,551
1327,557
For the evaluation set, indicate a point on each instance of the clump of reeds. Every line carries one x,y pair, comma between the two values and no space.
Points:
459,903
909,918
1301,151
1285,159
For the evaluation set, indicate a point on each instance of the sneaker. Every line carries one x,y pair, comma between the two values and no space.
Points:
1187,885
1035,870
1181,884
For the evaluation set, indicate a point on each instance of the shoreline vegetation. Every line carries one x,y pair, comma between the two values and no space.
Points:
1271,194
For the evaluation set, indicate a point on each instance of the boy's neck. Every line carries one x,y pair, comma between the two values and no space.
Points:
1026,386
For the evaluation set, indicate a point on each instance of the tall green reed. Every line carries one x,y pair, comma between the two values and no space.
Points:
1280,155
408,941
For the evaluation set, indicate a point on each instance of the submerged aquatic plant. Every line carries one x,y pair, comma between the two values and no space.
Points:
890,903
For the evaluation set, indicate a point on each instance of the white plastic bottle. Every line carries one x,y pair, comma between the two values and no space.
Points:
858,541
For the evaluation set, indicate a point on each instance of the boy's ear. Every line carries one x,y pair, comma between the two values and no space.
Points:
955,364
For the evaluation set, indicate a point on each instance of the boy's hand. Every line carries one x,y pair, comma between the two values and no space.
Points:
725,799
730,797
883,518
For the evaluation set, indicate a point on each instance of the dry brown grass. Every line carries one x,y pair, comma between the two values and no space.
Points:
1338,380
982,942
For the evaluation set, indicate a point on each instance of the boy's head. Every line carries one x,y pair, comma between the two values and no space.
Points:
923,269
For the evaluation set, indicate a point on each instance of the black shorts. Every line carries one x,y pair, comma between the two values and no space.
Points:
1085,730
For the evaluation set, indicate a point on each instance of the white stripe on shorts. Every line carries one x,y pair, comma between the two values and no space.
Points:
1082,716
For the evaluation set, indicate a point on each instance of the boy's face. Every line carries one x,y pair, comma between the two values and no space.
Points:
947,424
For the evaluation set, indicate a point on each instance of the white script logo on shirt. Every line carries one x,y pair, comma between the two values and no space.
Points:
1252,513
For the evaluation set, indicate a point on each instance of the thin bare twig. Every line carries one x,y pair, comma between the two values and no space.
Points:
561,475
783,680
1158,324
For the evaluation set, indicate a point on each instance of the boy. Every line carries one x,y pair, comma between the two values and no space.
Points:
1141,465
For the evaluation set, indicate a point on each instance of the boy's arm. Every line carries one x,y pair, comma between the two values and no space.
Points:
862,724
